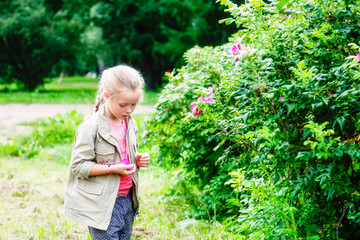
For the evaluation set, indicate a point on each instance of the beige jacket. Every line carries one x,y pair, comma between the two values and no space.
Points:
90,199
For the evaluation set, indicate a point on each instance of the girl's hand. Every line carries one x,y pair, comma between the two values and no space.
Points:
142,159
123,169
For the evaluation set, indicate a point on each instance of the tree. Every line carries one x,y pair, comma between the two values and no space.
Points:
153,35
32,41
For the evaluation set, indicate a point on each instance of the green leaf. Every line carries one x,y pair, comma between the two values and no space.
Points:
290,108
330,193
340,122
306,132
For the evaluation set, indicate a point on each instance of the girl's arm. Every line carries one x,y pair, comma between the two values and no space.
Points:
121,169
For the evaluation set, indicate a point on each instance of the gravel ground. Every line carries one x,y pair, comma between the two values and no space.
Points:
13,117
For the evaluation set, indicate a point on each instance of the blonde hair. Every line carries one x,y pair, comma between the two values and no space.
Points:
117,79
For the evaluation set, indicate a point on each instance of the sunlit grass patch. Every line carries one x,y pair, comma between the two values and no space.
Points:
32,197
71,90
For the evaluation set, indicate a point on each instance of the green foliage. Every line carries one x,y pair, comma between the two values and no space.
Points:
283,121
154,34
46,38
33,40
48,138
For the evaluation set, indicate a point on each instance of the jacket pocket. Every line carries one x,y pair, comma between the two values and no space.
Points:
91,187
104,152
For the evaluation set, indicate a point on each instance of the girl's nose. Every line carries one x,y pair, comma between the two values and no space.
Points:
129,109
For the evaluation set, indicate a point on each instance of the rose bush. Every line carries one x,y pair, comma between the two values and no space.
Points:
265,129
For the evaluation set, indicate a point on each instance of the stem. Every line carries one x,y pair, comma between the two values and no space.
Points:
338,224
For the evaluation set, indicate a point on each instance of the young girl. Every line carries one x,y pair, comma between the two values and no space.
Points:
102,187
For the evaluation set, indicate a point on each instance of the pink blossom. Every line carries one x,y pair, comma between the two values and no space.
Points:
211,90
288,10
237,48
207,99
192,106
197,112
281,98
286,16
358,56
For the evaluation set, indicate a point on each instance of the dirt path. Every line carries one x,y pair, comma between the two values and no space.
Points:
13,116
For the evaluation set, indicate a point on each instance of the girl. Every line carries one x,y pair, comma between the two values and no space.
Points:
102,187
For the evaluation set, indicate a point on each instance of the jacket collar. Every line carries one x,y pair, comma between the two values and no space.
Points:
104,129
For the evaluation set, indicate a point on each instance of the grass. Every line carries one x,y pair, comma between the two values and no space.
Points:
32,198
71,90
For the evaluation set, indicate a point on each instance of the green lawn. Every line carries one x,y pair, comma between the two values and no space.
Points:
32,198
71,90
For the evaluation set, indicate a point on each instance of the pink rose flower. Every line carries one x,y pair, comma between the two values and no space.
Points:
281,98
192,106
207,99
197,112
237,48
211,90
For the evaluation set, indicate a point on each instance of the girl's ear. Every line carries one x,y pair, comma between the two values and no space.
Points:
106,95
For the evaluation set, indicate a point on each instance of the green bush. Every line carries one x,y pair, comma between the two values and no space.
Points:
265,129
51,138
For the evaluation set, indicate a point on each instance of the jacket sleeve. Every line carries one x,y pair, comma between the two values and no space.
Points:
83,154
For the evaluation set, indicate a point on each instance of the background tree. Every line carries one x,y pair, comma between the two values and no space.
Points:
153,35
33,40
45,37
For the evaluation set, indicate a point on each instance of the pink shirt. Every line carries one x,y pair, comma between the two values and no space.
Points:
120,133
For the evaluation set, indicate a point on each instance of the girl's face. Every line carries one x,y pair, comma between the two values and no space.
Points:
119,108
